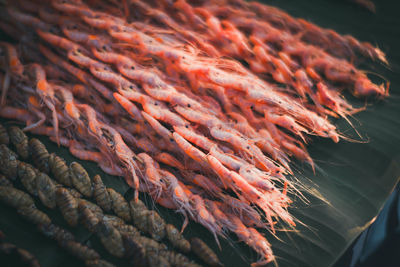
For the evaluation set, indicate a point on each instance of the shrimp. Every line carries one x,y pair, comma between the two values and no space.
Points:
189,150
27,19
169,160
238,183
180,194
157,126
286,122
131,108
198,116
160,112
152,173
46,92
204,217
205,182
195,138
56,40
77,56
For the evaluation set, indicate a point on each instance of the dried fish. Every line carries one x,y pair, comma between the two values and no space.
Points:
204,252
80,179
19,139
59,170
111,239
101,194
68,206
46,190
27,175
39,154
119,205
177,239
8,162
15,198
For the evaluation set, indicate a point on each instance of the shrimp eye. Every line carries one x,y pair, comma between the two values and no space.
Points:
187,126
188,105
78,50
130,86
156,103
104,47
132,67
75,27
248,147
171,139
105,68
252,107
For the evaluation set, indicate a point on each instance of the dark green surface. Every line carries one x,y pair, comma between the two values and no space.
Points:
354,179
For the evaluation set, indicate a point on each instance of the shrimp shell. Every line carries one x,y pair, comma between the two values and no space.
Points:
39,154
80,179
19,139
59,169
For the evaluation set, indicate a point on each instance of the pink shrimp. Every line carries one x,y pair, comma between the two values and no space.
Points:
206,183
198,117
169,160
13,113
261,246
27,19
180,194
46,92
152,174
189,150
230,161
131,108
111,57
77,56
195,138
72,7
159,111
56,40
286,122
34,105
78,73
204,217
238,183
157,126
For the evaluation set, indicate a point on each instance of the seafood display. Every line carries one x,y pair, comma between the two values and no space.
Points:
203,105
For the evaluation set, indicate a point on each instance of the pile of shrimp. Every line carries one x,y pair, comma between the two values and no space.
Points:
202,104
